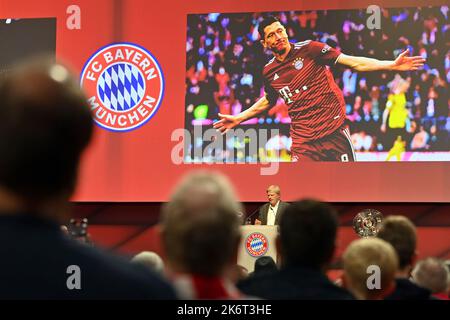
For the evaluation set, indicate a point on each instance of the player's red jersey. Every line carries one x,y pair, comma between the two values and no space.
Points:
315,102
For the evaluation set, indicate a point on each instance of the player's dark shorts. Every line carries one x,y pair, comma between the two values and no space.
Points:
334,147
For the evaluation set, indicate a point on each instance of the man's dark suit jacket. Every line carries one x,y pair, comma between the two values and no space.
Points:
408,290
293,283
264,210
35,256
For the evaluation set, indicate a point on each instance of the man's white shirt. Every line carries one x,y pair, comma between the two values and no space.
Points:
272,214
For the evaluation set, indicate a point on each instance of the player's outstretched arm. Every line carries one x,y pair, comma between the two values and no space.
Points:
385,117
228,122
402,63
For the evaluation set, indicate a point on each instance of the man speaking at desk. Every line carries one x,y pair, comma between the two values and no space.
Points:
270,213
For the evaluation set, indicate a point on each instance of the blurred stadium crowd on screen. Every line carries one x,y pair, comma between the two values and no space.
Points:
225,59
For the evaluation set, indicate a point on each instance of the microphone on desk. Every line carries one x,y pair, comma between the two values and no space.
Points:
248,220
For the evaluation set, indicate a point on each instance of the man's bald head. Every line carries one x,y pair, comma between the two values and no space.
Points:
200,224
431,273
45,125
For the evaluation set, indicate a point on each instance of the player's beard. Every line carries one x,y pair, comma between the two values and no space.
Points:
282,51
279,51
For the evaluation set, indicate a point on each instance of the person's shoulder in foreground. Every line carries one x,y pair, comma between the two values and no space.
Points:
125,281
294,283
407,290
46,125
41,263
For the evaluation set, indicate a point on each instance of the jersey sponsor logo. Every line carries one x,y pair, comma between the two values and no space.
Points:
125,86
286,94
298,63
256,244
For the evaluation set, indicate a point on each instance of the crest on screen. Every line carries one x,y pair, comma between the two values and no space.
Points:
124,84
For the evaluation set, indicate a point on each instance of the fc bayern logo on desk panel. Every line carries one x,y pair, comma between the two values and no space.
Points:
124,84
256,244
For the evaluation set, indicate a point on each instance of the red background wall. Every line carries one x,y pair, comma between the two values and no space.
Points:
132,228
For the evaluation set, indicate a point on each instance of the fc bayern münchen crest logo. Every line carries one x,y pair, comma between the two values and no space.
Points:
298,63
256,244
124,84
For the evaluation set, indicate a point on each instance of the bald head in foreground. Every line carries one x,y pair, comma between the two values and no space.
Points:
201,234
432,274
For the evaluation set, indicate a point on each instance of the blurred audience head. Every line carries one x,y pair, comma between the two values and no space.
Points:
432,274
447,264
400,232
201,226
366,259
307,234
150,260
265,265
65,230
45,125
